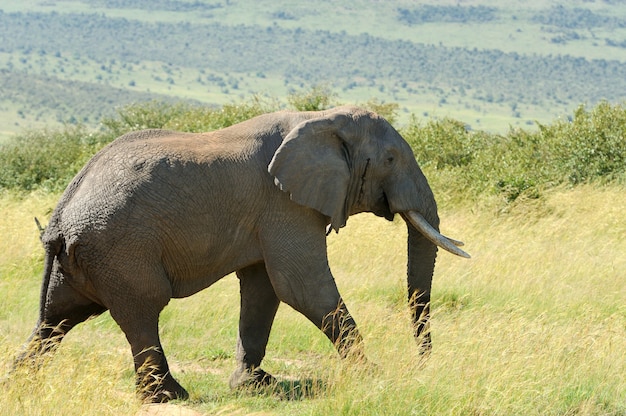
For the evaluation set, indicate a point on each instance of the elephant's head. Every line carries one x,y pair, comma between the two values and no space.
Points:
349,160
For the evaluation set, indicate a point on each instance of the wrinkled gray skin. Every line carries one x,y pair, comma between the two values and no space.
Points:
159,215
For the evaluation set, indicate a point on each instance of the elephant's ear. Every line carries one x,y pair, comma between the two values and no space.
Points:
311,164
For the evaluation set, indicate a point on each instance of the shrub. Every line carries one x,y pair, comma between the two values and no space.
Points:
199,119
389,111
316,99
444,143
149,115
46,159
184,117
592,146
589,147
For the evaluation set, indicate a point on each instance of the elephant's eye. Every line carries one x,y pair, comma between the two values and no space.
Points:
389,160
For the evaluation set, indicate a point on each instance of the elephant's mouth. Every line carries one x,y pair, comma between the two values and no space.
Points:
382,209
417,221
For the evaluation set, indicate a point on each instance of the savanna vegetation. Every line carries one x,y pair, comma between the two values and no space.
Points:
533,324
588,147
515,111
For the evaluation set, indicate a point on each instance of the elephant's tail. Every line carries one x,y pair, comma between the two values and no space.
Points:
51,248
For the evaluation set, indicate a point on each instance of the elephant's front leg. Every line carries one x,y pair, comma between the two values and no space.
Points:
298,268
340,328
258,309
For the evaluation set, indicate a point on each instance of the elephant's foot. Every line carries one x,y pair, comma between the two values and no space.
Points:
246,377
425,345
160,390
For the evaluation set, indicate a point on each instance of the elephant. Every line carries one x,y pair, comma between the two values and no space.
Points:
158,214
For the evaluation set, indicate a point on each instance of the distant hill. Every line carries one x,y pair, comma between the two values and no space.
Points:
488,64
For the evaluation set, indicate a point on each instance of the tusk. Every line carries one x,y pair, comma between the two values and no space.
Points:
456,242
419,222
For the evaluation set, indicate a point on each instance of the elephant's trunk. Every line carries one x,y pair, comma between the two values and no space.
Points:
423,239
420,267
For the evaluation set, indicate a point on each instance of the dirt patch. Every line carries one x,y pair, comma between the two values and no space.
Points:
166,410
175,410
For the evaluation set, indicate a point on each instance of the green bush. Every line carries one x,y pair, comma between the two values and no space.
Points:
46,159
200,119
49,159
444,143
387,110
592,146
150,115
184,117
316,99
589,147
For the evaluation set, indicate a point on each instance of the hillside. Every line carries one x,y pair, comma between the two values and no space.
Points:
490,64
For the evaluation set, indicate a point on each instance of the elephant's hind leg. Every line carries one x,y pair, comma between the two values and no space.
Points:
155,384
63,307
135,298
258,309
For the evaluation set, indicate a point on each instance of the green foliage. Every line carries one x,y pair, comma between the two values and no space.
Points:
444,143
49,159
151,115
315,99
199,119
589,147
185,117
46,159
387,110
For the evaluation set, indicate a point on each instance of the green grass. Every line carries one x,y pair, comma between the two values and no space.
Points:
533,324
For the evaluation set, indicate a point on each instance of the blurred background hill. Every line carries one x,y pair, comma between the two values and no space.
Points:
491,64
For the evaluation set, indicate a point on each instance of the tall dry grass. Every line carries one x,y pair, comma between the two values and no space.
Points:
533,324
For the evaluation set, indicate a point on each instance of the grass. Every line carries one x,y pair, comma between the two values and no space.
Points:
534,324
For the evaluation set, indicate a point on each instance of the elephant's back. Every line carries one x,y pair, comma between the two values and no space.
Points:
156,179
